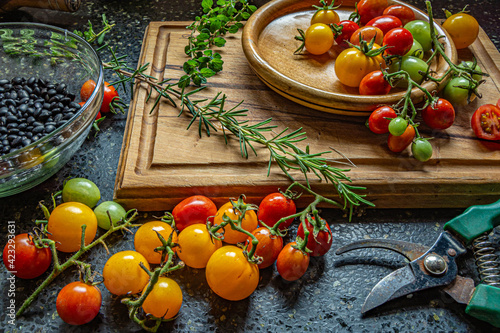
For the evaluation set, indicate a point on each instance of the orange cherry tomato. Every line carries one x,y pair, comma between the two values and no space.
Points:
122,273
65,225
146,240
196,245
367,33
399,143
268,248
165,300
249,223
230,275
292,264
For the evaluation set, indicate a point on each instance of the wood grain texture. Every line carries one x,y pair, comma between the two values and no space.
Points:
162,163
269,45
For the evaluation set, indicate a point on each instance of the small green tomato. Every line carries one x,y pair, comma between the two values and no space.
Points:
116,212
421,149
81,190
398,126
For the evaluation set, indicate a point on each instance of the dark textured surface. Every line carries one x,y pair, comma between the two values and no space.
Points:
327,299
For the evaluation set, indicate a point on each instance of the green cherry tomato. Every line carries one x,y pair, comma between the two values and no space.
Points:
421,31
81,190
413,66
456,91
421,149
397,126
416,50
116,212
468,65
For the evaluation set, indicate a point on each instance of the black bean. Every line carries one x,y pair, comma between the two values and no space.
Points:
38,129
37,123
7,86
17,80
5,142
12,119
3,111
9,101
35,138
4,82
24,100
49,128
12,125
16,141
26,141
13,95
58,117
3,120
47,105
36,113
28,90
68,115
3,129
51,92
14,131
11,137
23,108
37,91
66,100
30,111
38,105
74,105
61,122
61,87
55,98
29,134
44,115
31,81
22,126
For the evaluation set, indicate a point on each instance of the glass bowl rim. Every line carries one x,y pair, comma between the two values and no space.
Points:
100,81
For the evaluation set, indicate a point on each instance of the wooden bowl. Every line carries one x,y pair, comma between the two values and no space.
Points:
268,43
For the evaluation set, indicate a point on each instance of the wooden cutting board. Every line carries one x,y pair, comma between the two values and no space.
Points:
162,162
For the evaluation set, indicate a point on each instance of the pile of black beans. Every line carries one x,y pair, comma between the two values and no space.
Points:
30,109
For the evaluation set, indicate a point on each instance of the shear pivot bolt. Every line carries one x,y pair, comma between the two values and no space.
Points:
435,264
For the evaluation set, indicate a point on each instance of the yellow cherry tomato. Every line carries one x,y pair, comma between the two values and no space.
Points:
325,16
463,29
146,240
122,273
165,300
196,245
249,223
230,275
319,38
352,65
65,226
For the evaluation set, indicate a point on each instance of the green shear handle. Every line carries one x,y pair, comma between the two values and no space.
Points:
475,221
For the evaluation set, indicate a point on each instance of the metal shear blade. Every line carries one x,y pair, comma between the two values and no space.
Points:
429,267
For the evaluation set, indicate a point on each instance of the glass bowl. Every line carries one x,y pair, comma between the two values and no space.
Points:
56,55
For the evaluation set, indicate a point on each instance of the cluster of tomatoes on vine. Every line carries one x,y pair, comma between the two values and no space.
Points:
384,48
232,243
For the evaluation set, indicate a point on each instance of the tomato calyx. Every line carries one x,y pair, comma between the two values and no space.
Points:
325,6
367,48
301,38
447,13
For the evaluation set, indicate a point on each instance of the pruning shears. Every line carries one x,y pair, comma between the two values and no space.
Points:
435,266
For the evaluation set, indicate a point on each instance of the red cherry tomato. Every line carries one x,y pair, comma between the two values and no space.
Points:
369,9
109,93
292,264
348,28
374,84
274,207
24,259
385,23
379,119
78,303
402,12
398,40
268,248
441,116
193,210
485,122
399,143
320,243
